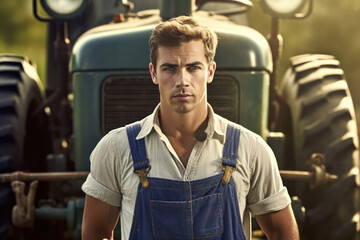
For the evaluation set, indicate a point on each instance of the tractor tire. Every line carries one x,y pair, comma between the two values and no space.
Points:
319,118
24,129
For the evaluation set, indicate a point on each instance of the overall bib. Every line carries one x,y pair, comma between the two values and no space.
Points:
183,210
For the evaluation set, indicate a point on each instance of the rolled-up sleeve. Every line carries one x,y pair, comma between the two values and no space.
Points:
267,192
101,182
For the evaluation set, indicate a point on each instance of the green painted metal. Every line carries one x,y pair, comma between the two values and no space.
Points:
87,96
48,212
87,112
276,141
74,231
111,50
241,47
252,101
72,214
174,8
120,47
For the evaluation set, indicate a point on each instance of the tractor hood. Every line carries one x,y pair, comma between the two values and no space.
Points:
124,46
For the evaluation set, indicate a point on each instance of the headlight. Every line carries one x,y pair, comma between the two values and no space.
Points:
63,9
283,8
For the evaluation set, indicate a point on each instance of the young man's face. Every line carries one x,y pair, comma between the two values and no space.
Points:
182,74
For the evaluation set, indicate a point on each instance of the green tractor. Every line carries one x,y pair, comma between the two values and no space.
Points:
98,80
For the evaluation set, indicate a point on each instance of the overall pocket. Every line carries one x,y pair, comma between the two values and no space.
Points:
208,216
200,218
169,219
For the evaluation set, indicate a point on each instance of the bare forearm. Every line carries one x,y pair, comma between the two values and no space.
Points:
288,234
279,225
91,233
99,219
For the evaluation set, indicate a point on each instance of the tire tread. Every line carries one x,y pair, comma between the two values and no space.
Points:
323,121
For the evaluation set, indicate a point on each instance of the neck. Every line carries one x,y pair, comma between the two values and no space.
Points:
183,125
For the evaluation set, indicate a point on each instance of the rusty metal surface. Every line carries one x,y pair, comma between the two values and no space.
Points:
296,175
23,213
56,176
51,176
304,175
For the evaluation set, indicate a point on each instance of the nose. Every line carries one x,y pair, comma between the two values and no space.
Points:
182,79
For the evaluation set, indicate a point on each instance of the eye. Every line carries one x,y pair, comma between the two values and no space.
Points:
169,69
194,67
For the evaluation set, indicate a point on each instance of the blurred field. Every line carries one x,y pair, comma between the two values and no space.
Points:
21,33
332,28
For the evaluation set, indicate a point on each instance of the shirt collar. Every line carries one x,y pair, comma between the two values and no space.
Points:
149,122
214,129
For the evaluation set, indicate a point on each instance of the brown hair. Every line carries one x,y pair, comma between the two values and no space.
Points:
179,30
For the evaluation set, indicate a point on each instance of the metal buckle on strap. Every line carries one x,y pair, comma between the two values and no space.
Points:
228,170
142,174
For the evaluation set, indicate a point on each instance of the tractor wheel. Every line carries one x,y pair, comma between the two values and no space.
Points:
24,133
321,112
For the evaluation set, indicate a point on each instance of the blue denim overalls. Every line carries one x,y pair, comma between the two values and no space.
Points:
183,210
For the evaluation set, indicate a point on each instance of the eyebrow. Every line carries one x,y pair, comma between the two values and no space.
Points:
168,65
194,64
187,65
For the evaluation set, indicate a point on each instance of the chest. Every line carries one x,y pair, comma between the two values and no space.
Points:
183,148
203,162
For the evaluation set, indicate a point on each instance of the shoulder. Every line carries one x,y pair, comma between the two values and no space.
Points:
252,147
111,147
113,151
118,137
257,152
113,139
246,136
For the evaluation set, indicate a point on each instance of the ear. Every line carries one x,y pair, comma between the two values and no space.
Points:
212,69
153,73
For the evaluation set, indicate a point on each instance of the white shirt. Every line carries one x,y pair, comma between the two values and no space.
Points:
258,182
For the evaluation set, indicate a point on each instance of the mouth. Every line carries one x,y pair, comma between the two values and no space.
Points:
182,96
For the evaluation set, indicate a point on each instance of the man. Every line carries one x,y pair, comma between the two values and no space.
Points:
206,173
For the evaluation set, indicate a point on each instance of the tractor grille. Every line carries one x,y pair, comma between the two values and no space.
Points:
127,99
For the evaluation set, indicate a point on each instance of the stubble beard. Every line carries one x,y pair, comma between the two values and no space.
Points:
182,107
188,106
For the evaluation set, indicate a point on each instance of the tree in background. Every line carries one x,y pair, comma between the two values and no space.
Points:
21,33
332,28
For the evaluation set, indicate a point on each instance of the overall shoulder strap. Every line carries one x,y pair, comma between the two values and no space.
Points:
231,146
137,147
230,152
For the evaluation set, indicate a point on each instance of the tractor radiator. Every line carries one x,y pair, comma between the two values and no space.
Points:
126,99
